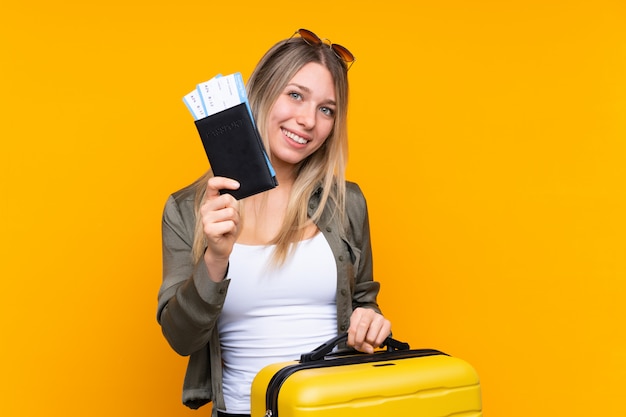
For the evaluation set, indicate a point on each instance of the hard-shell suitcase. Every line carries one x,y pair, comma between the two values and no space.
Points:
396,382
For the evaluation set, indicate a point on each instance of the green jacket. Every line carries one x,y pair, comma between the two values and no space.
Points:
189,302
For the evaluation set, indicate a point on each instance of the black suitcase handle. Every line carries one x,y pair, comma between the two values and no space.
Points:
324,349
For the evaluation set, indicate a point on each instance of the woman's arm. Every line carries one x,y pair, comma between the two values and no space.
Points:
368,328
189,301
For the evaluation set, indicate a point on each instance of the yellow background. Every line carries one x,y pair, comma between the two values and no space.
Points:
488,136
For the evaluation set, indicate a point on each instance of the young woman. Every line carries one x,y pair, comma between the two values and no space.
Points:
262,280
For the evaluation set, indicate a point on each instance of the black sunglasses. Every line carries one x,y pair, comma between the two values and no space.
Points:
314,40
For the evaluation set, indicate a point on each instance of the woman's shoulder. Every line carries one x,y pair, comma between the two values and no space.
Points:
356,205
353,187
187,193
354,194
183,200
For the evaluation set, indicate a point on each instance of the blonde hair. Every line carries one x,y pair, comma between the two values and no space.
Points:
325,168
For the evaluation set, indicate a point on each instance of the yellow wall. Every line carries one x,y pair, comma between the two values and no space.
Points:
489,137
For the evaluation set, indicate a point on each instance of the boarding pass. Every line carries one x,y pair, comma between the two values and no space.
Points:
217,94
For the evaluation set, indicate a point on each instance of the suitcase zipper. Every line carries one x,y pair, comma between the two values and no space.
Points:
276,382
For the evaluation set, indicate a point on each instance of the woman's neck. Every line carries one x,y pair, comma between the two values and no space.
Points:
263,215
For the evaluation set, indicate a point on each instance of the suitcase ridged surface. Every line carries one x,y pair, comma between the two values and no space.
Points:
424,386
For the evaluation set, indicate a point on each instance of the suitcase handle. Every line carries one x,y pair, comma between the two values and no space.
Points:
324,349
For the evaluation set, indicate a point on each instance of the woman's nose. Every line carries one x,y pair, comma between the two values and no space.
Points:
306,117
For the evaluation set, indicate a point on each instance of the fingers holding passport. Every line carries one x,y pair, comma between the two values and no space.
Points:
215,184
220,216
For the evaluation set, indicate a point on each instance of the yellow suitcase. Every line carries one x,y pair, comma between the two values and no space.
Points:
398,381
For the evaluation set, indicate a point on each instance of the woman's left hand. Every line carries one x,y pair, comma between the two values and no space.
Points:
368,330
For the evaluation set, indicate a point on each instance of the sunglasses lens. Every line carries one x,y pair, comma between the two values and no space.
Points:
343,53
314,40
310,37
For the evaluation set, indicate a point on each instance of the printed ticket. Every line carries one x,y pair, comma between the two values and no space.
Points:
217,94
193,101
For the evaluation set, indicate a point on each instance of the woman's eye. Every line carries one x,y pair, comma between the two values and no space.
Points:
295,96
327,111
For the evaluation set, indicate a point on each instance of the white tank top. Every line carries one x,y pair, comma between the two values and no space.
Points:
274,315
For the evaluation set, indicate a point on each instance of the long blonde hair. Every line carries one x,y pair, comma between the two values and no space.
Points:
325,168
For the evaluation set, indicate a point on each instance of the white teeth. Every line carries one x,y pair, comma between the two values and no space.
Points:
295,137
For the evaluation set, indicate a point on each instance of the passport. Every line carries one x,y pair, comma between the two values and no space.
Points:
229,135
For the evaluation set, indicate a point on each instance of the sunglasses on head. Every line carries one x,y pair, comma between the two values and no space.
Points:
314,40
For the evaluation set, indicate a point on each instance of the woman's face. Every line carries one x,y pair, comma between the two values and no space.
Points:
303,115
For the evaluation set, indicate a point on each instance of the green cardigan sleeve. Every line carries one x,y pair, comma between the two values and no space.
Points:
189,302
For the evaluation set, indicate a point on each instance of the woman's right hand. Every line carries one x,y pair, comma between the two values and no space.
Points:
220,224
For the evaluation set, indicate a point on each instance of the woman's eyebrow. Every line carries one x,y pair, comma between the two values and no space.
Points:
308,91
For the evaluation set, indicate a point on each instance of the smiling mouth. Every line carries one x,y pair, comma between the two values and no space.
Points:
294,137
